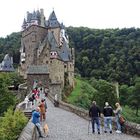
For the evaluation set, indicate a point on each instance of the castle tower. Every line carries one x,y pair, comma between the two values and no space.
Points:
54,26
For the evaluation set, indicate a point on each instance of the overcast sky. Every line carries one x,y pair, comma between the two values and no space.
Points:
88,13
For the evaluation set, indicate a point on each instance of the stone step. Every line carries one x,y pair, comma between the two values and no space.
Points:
28,114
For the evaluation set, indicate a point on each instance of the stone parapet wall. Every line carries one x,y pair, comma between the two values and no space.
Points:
29,132
55,88
131,128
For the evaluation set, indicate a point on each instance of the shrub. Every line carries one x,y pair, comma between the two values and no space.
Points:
12,124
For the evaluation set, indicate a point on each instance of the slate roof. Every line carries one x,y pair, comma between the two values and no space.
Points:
65,52
7,64
37,69
52,41
52,21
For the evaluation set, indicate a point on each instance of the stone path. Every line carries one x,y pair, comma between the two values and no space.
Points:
64,125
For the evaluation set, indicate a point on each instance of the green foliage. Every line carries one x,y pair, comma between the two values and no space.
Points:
12,124
105,92
6,97
110,54
85,92
130,115
134,98
123,94
11,45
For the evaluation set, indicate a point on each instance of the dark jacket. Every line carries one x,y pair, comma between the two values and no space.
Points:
108,111
94,111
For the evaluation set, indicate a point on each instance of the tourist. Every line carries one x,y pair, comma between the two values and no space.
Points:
117,116
94,113
26,100
56,102
42,110
36,120
108,112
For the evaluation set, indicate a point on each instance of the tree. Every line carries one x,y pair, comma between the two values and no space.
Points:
6,97
134,98
105,92
123,94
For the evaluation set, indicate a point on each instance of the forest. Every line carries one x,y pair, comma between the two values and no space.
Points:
111,54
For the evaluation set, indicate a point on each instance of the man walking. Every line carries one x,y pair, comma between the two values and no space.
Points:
108,112
36,121
94,113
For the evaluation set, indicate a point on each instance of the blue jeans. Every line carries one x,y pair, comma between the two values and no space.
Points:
118,123
108,123
95,120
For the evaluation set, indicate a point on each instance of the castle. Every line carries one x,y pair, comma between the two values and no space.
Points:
45,48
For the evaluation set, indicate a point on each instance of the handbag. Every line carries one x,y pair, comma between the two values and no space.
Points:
121,119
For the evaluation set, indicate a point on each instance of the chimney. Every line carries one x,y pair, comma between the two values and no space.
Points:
42,18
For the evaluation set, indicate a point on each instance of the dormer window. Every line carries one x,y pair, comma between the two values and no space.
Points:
53,54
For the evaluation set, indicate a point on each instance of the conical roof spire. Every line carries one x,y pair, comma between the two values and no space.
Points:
52,16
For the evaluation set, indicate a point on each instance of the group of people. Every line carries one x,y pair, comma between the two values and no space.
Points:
107,112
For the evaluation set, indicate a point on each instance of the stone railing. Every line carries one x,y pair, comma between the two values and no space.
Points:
130,128
29,132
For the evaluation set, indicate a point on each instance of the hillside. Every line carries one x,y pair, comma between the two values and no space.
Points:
111,54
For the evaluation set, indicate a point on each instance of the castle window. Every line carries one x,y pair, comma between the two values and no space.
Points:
65,66
50,61
51,53
46,62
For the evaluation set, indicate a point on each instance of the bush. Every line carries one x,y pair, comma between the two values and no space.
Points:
12,124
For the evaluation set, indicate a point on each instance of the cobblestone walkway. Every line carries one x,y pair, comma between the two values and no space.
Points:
64,125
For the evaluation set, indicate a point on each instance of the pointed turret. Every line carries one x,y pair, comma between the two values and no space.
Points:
7,64
53,22
24,24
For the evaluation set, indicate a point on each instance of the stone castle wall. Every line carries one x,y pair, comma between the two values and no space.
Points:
31,38
43,78
56,69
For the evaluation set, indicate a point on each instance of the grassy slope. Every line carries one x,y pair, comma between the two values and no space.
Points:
75,92
128,113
